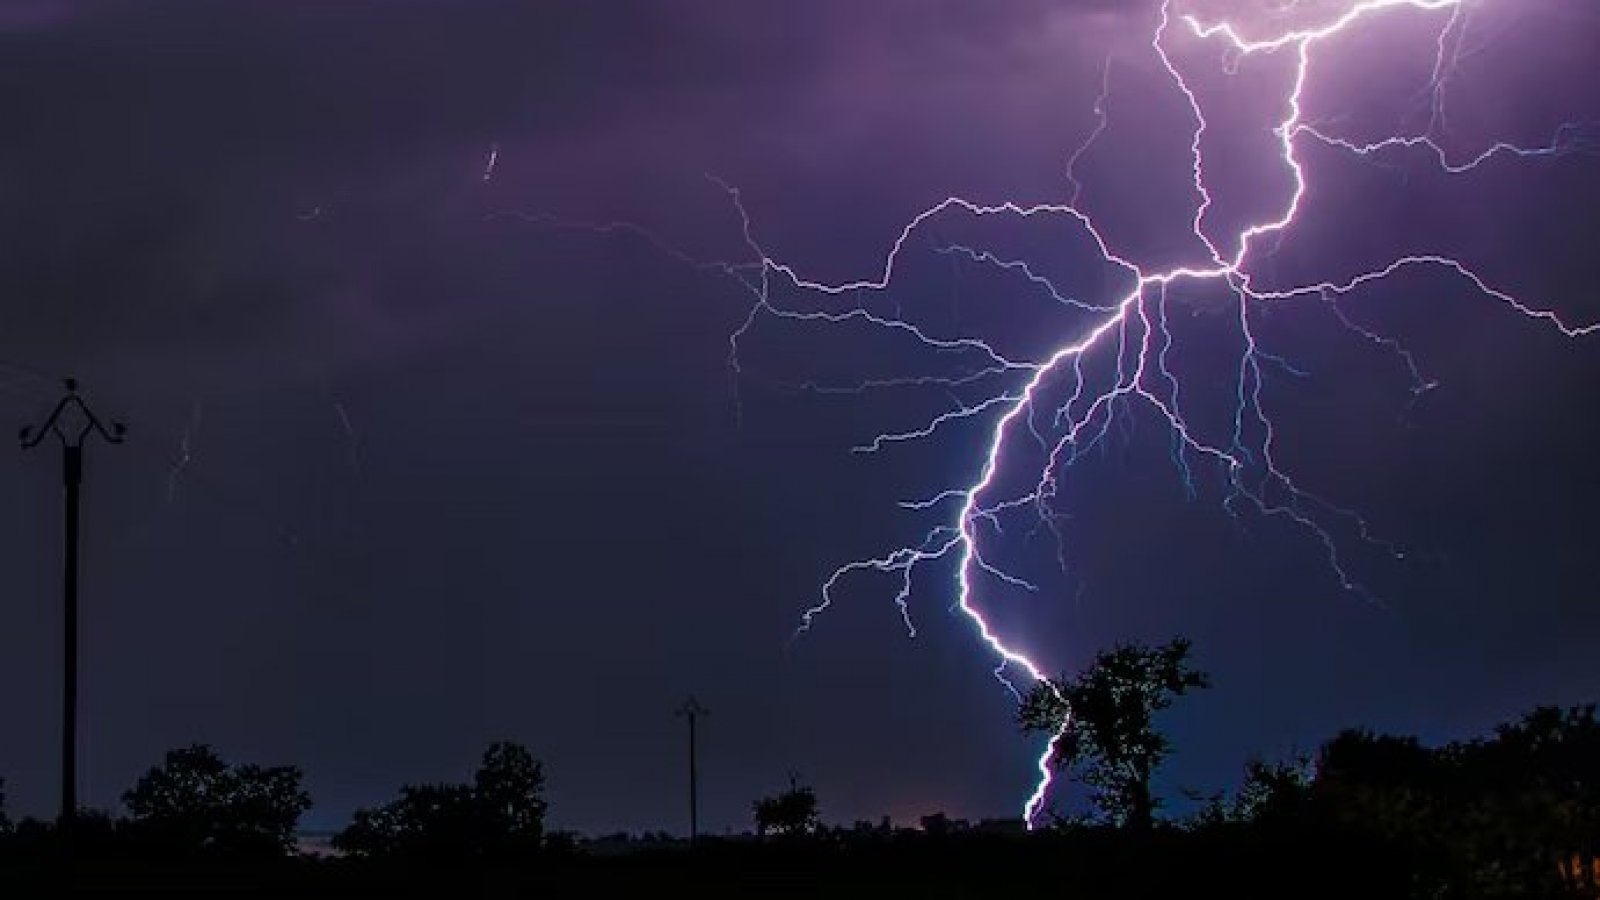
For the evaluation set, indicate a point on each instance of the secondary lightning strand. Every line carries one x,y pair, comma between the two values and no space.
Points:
185,455
1101,120
351,436
491,162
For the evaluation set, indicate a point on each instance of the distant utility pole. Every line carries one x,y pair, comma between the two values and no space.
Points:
691,710
72,423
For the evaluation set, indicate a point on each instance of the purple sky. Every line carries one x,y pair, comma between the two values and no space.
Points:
409,473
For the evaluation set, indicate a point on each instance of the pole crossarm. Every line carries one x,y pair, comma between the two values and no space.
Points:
31,435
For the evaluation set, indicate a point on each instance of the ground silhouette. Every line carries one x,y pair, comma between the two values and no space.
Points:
1514,813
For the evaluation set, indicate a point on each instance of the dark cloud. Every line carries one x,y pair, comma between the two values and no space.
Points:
412,473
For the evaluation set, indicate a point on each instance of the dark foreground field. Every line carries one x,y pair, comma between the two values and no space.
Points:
1222,861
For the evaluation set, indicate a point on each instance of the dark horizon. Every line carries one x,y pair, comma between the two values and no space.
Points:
421,459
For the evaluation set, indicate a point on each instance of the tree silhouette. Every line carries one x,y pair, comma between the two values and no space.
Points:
1103,722
500,815
5,820
510,791
1532,800
194,801
1388,786
1515,814
428,821
1360,758
792,812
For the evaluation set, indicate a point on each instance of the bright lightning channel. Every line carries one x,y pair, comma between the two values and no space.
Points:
1133,325
1136,324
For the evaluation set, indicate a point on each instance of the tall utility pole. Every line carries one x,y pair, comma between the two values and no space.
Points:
72,423
691,710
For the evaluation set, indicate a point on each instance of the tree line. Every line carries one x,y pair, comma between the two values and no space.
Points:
1513,813
194,804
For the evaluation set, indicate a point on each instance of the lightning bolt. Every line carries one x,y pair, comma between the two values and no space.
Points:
491,162
185,455
351,436
1067,401
1133,331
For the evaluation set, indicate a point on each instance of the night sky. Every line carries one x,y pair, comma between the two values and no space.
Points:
412,469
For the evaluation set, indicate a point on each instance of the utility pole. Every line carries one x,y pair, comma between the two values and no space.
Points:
72,423
691,710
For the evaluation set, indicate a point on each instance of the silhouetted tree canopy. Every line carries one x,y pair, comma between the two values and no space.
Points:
791,812
194,801
5,820
1513,815
1103,722
510,788
500,815
1274,790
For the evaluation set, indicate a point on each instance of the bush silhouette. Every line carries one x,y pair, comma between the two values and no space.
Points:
499,816
792,812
